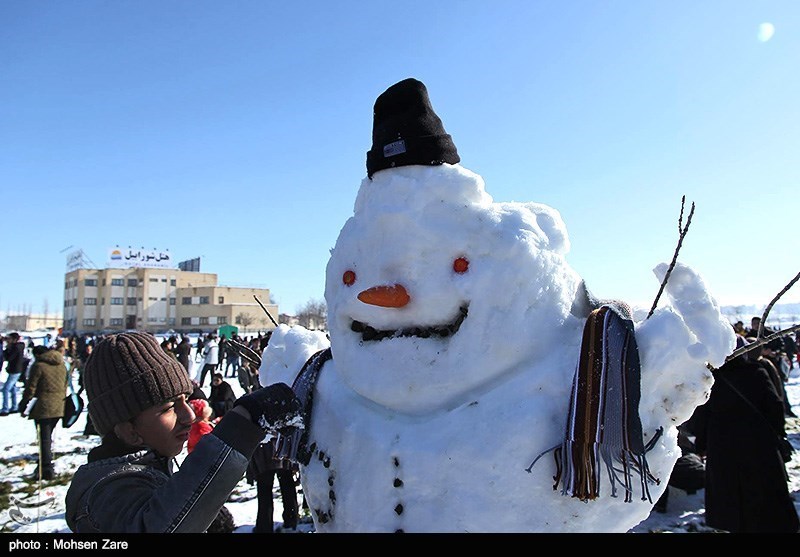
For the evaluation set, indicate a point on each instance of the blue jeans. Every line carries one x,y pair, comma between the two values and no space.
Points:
10,391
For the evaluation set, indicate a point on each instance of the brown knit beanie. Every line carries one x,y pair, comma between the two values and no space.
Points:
128,373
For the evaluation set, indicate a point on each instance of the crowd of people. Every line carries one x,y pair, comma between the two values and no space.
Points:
734,447
142,429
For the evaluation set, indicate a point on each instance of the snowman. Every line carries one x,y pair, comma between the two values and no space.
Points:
472,383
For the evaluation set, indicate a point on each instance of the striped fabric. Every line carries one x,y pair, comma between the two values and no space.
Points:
603,424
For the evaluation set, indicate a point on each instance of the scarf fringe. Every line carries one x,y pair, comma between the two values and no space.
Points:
603,425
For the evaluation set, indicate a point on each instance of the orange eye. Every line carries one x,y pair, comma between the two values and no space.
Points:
461,265
349,277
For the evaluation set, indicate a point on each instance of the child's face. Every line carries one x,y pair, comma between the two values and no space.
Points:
165,428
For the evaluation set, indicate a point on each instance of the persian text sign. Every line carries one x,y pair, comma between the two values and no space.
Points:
122,258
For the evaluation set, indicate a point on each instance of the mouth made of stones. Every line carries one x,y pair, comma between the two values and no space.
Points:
436,331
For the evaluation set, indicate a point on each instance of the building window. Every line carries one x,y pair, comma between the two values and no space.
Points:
222,320
152,319
104,283
204,320
132,301
203,299
163,280
74,282
172,301
153,280
88,322
163,299
90,282
172,321
152,299
101,322
117,301
115,322
221,300
117,282
172,282
186,320
103,301
132,282
186,300
90,301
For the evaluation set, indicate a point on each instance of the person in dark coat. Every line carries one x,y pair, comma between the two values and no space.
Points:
222,396
47,383
262,470
248,377
746,482
14,355
184,351
197,392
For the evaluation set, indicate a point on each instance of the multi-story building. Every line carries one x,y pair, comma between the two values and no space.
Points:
28,322
157,300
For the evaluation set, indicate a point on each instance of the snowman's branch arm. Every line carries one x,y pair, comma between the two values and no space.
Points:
245,352
772,303
682,230
266,311
760,342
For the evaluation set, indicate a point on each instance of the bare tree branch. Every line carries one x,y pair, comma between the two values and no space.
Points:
681,235
772,303
760,342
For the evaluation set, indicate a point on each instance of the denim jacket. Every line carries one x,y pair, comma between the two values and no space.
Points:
138,492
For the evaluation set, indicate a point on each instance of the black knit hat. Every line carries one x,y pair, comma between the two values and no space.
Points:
406,131
128,373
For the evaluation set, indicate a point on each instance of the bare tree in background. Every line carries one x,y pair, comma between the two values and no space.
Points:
314,315
245,320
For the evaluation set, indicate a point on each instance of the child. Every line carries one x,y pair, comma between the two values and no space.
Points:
138,404
202,425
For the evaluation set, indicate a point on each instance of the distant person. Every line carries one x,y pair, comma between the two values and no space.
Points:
248,377
232,359
755,324
210,357
47,384
197,392
184,352
14,355
138,403
222,396
202,425
790,349
263,468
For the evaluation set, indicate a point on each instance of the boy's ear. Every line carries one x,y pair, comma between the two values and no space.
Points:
127,433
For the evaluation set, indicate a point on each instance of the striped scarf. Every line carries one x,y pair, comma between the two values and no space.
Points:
603,424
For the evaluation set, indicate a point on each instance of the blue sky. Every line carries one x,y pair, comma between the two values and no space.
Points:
237,132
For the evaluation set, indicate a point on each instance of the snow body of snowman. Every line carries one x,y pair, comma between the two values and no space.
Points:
455,326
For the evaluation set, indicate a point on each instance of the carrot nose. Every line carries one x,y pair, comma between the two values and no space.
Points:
394,296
